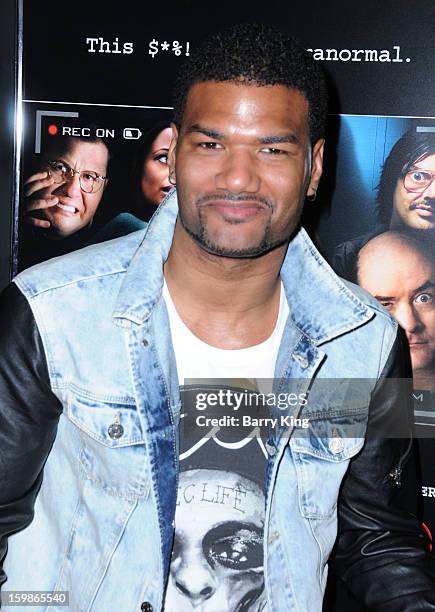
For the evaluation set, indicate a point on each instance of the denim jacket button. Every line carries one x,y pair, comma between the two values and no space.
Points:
336,445
146,606
300,359
115,431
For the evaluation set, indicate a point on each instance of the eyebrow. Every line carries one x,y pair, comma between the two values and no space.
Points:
423,287
419,168
266,140
280,139
384,298
230,528
196,127
60,159
427,285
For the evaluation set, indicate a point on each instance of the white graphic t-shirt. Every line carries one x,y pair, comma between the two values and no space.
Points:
217,557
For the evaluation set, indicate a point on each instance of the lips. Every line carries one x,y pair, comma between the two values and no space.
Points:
236,210
425,209
415,346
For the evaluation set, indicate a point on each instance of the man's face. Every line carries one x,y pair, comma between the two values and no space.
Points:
217,559
76,208
243,165
403,280
416,210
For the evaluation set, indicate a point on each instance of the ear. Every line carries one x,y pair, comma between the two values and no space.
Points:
172,154
316,167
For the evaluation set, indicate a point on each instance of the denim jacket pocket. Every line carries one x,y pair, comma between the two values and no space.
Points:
321,455
112,450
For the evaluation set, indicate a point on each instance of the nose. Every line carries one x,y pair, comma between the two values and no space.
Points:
408,318
239,173
196,582
71,188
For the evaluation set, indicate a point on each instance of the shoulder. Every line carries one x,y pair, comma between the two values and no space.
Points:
121,225
105,259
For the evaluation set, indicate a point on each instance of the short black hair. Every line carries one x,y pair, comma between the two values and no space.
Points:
255,54
411,147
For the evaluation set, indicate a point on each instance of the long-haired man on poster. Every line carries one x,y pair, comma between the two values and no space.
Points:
97,349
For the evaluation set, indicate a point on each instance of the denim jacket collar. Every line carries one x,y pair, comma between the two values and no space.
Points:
310,284
143,282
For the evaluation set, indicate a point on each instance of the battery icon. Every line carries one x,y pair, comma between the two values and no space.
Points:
132,133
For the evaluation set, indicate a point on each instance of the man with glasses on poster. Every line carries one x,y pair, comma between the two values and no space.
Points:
98,349
62,198
405,199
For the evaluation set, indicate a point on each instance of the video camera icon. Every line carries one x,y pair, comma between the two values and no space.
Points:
132,133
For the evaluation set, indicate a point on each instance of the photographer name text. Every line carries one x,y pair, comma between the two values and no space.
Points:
248,421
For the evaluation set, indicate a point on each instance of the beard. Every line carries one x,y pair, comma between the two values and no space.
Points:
201,236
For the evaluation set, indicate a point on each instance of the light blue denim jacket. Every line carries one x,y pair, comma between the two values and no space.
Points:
104,517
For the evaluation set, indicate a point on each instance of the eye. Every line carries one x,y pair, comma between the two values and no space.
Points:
273,151
424,299
210,146
388,304
420,177
162,158
89,176
59,166
240,550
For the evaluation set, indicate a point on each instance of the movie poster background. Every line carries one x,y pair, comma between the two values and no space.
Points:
111,67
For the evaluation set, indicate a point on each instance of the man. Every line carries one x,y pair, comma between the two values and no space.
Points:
62,198
399,271
226,286
405,199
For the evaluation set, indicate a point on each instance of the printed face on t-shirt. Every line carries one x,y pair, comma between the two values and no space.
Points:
217,559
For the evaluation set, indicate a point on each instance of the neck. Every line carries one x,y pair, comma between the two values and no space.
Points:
227,302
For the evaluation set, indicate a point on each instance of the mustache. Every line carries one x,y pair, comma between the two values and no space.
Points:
234,197
425,202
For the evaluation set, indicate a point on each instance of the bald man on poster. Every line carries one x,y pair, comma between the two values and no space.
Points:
399,271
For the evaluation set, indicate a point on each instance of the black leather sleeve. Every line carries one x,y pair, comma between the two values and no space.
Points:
29,413
381,552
